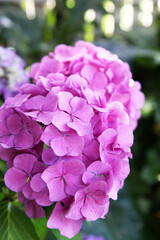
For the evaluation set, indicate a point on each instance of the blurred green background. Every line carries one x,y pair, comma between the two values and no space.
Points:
130,29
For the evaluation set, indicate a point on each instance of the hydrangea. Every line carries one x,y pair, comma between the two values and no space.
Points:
12,72
67,137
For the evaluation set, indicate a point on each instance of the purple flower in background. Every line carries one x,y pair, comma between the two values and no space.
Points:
67,137
12,72
92,237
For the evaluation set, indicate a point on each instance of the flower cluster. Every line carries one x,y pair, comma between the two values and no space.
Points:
67,138
12,72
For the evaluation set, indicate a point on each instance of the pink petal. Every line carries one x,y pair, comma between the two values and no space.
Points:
68,228
14,124
53,177
73,184
99,171
4,113
33,210
76,82
77,104
38,167
107,137
28,192
69,143
7,154
7,141
35,130
59,146
45,117
88,72
114,190
125,136
49,131
80,127
15,179
74,144
23,140
99,81
25,162
75,210
74,167
34,103
36,183
92,211
52,172
50,102
33,69
64,100
16,101
49,157
32,114
81,109
73,171
60,120
43,198
91,150
56,189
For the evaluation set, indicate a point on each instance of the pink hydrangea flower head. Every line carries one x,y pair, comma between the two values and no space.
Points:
67,137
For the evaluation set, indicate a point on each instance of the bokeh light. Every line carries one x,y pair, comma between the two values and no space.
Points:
90,15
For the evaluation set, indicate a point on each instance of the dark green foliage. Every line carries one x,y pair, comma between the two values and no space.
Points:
14,225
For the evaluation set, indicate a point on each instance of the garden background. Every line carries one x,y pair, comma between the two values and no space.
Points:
131,29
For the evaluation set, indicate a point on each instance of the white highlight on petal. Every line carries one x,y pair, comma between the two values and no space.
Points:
131,83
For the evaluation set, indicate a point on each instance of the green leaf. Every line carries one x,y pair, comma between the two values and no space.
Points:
60,237
50,235
14,224
40,225
1,180
48,210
